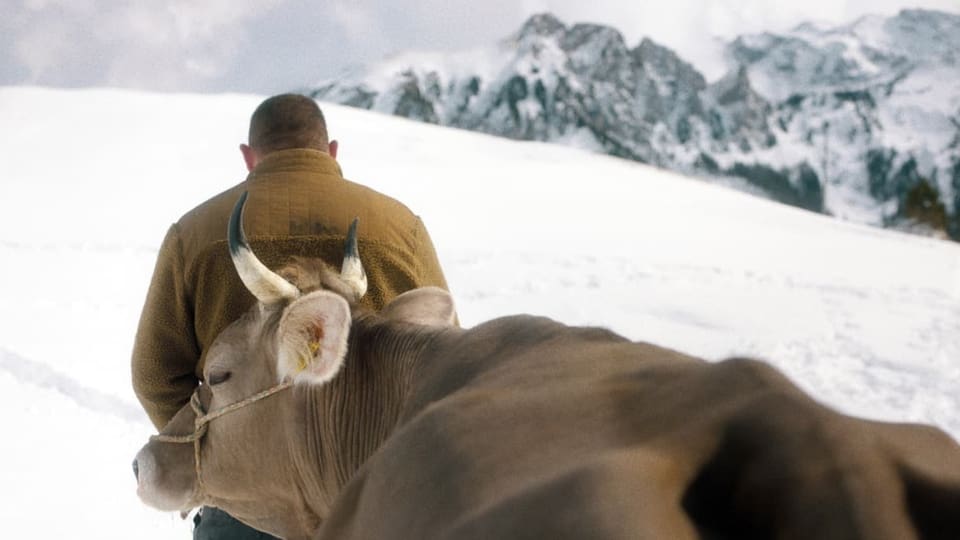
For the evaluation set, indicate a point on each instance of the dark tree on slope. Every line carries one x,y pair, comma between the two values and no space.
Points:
922,206
953,224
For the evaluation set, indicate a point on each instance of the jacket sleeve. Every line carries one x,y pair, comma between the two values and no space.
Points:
429,271
165,351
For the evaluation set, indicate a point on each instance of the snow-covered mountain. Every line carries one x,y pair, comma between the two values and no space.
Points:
860,121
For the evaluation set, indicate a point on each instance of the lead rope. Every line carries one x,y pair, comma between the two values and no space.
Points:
202,422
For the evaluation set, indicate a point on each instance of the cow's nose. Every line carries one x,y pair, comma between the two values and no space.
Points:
136,470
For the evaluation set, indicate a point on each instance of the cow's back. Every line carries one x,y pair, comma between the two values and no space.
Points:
520,428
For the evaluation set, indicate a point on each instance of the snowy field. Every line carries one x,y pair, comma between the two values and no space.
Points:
866,320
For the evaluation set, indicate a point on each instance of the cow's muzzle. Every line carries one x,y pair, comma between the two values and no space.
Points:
200,425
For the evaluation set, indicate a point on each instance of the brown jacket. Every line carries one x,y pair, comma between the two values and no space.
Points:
299,204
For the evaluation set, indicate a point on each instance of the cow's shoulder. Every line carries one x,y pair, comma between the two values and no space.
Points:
502,348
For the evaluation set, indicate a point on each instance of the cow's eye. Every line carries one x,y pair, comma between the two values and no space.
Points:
217,378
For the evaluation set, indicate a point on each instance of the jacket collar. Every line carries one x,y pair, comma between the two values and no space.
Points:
296,160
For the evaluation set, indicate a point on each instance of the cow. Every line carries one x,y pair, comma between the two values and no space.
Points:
321,420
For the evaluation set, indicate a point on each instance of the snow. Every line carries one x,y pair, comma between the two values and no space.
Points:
482,62
866,320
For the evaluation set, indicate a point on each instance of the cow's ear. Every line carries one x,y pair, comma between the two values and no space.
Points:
430,306
312,338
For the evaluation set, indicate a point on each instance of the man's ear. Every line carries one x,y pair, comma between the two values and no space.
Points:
332,148
249,156
430,306
312,338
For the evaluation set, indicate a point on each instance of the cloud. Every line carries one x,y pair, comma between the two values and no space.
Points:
157,45
305,41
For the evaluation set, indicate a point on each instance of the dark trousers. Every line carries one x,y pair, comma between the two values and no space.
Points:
214,524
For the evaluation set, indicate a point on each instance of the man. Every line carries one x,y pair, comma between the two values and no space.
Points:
298,204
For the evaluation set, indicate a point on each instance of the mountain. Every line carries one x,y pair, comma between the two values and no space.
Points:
860,121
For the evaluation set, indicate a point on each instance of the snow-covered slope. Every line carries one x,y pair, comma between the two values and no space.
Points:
867,320
847,121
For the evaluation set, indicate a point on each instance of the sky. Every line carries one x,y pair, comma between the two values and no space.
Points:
271,46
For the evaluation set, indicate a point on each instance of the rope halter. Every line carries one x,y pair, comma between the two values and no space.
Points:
202,422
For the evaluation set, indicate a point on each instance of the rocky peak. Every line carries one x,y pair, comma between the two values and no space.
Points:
925,19
542,25
752,48
664,64
924,35
740,115
593,36
734,87
597,52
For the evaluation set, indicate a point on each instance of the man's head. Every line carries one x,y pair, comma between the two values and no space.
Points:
286,121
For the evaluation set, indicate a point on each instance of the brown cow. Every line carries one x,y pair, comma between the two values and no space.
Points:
320,421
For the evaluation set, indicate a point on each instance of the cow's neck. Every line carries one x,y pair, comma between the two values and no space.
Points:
345,421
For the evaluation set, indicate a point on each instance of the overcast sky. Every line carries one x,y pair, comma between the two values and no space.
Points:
267,46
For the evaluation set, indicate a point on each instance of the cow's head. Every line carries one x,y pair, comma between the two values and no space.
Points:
239,444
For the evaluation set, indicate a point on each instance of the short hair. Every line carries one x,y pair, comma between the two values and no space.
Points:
287,121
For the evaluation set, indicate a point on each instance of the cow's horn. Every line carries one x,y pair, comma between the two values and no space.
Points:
351,271
262,282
